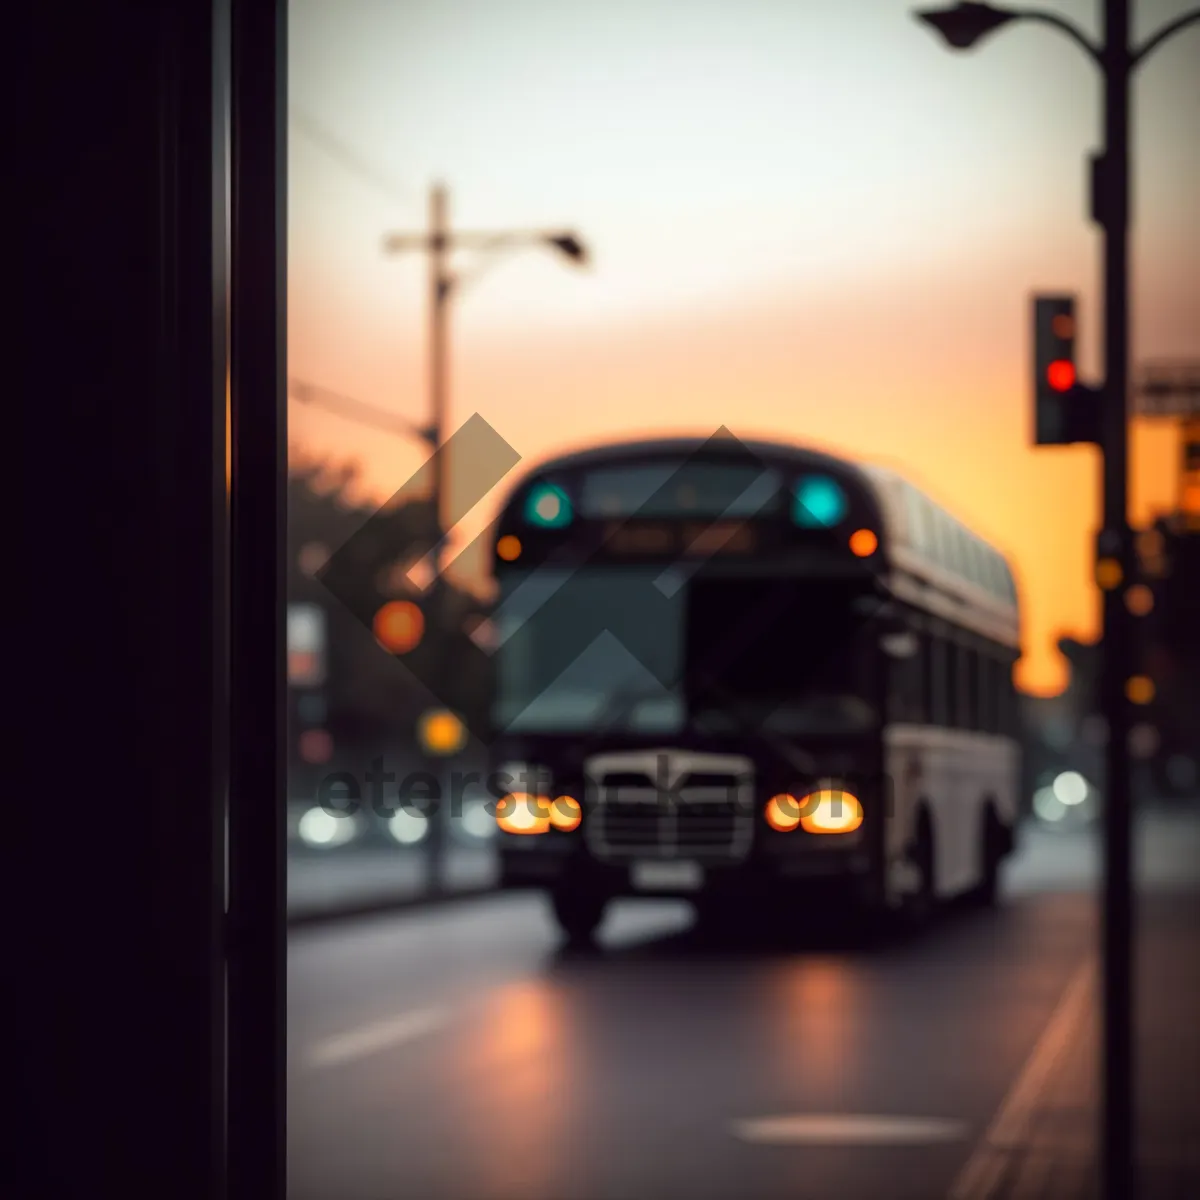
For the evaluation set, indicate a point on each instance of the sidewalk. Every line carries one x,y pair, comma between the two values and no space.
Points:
1054,1155
353,880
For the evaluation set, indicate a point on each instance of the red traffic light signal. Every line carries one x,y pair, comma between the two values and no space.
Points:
1060,375
1064,412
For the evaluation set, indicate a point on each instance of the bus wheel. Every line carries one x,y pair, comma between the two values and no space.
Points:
921,903
578,914
987,891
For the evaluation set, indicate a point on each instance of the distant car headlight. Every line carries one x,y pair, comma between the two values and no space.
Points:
323,830
1070,788
477,821
408,828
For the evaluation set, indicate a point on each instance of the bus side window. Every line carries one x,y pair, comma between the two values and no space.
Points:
996,689
920,673
941,679
929,674
975,673
964,692
988,690
908,686
952,656
1006,694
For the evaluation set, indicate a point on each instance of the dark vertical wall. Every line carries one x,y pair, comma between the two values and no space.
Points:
117,1067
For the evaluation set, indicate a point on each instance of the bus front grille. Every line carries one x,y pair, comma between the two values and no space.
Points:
709,823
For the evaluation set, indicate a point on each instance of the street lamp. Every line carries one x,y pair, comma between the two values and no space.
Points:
962,26
439,242
966,24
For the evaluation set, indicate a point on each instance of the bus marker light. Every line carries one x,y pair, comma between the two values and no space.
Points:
509,548
863,543
522,813
819,502
830,811
548,506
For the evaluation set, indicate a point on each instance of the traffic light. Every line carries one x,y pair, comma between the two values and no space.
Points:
1065,412
399,626
1054,364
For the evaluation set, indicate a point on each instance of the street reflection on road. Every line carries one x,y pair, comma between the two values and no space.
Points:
518,1115
813,1010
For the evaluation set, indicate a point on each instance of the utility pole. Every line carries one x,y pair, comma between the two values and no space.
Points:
439,242
440,285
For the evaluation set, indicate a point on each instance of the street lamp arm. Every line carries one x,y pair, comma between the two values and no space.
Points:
1169,30
1063,26
479,240
398,243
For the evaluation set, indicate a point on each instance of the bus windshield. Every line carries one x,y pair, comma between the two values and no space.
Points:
790,655
642,649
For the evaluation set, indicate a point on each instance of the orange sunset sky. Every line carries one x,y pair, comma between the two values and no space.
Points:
808,220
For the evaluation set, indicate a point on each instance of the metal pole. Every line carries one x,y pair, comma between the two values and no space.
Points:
440,285
257,954
439,294
1117,1155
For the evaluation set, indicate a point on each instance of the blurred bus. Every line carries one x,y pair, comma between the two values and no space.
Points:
746,672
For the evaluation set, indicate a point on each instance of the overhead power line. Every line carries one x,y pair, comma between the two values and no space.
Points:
355,410
349,158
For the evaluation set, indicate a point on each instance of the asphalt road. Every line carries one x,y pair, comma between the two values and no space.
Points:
458,1055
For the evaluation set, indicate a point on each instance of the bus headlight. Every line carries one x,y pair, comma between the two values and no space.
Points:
565,813
830,810
520,812
782,813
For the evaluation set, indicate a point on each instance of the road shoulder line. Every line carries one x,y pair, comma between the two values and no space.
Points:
1010,1131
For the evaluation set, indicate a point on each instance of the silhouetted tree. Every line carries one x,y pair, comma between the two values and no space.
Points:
372,696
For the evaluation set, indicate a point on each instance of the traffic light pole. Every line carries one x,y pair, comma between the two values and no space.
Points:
441,284
1111,208
963,26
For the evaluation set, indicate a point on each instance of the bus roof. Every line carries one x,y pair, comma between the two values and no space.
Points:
923,538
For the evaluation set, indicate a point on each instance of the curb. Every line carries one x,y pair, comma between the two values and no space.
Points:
305,918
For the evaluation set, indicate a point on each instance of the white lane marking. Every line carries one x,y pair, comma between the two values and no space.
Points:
831,1129
381,1035
1009,1131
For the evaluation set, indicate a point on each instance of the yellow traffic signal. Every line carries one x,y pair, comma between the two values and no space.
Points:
441,732
1108,574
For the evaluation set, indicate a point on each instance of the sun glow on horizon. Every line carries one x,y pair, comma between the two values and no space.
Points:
775,250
